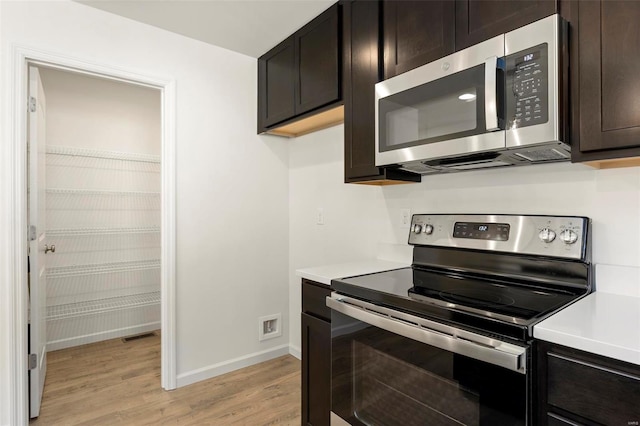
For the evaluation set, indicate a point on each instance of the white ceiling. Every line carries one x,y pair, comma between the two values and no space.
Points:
250,27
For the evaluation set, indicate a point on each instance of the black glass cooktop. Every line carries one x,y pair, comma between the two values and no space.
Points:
480,302
511,301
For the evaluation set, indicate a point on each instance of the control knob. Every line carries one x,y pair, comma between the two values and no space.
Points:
428,229
568,236
547,235
417,228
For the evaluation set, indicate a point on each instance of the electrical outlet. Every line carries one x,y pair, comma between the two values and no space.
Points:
320,216
269,327
405,218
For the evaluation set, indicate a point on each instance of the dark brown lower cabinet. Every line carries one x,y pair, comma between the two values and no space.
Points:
579,388
316,355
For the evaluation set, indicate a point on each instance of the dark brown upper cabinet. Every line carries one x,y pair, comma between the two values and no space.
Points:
302,76
362,70
479,20
276,70
606,120
416,33
318,62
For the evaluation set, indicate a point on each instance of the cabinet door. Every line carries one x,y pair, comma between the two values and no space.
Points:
361,73
318,62
275,88
416,33
316,371
609,89
479,20
592,390
362,70
575,387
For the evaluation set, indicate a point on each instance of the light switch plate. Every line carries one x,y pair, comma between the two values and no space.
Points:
405,218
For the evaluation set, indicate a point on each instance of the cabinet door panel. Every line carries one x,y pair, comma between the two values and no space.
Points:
609,39
316,371
317,48
275,76
479,20
362,72
593,391
416,33
314,297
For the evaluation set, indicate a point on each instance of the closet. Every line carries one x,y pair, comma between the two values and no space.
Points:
102,210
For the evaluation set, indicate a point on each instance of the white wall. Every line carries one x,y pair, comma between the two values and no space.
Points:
232,190
352,213
96,113
358,216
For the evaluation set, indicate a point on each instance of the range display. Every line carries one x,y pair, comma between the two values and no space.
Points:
482,231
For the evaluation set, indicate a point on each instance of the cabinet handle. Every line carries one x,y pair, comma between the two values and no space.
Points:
51,248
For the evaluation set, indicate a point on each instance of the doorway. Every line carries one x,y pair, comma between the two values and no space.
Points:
17,266
99,192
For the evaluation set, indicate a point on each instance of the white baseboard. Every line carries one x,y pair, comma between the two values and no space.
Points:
295,351
103,335
224,367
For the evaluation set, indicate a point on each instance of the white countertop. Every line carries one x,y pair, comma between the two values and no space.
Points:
603,323
324,274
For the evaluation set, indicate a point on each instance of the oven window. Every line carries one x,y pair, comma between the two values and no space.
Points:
380,378
446,108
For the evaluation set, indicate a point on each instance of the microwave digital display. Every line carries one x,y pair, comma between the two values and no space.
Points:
481,231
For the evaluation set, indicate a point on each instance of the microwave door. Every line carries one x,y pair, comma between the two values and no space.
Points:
445,108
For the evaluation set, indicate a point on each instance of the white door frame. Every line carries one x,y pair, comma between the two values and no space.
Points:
15,305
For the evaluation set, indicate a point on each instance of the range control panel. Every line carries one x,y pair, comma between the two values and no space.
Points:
527,87
555,236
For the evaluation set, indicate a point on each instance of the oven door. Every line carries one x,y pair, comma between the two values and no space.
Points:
392,368
449,107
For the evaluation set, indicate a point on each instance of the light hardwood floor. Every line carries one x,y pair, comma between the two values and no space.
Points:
112,382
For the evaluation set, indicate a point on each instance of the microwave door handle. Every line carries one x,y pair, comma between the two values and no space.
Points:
490,101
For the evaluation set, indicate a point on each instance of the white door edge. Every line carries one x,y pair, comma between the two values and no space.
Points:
13,225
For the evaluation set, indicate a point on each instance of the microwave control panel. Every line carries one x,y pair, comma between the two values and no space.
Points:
527,87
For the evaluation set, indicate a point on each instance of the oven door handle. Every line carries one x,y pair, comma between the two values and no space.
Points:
482,348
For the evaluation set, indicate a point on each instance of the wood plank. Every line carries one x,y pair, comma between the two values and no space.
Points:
113,382
316,122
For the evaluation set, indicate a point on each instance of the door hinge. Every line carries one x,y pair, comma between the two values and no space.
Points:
33,361
32,104
32,233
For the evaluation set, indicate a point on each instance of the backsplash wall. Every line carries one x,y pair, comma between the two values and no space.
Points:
358,217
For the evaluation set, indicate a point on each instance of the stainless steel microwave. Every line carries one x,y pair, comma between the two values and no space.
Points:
502,102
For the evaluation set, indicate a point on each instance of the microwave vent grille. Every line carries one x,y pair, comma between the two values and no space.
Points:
420,168
543,155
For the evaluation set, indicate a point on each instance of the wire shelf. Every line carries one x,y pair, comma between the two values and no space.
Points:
89,192
109,155
101,268
94,200
70,310
70,232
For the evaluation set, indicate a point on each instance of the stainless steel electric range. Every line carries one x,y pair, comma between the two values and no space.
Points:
449,340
